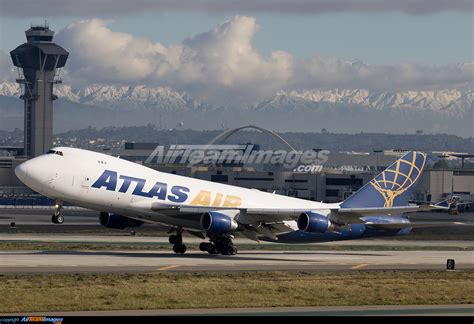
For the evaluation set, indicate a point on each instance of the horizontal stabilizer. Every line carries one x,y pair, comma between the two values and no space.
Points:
378,210
395,210
415,225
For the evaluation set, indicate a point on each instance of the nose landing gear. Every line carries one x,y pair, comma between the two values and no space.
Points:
57,217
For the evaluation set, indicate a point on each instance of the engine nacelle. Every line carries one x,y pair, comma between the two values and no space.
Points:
314,223
117,221
218,223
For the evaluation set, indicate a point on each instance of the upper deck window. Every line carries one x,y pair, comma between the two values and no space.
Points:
55,152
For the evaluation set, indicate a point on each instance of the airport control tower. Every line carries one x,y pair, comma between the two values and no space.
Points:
38,61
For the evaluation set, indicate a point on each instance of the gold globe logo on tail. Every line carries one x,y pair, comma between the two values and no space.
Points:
393,182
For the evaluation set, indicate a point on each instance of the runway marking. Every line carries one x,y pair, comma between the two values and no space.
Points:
169,267
359,266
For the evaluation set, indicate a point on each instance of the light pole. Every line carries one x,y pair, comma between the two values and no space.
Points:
377,158
175,130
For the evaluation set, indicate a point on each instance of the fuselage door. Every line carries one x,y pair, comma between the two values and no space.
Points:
85,182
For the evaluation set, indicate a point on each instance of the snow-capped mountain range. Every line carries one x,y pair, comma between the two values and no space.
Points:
439,100
134,97
113,96
339,110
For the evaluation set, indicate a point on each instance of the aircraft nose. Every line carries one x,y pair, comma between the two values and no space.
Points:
21,171
36,173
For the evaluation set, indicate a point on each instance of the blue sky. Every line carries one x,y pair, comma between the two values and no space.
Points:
383,38
376,38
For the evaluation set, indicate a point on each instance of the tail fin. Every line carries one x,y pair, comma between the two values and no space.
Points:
449,203
392,187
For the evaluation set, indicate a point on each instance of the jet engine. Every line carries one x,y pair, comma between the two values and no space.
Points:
218,223
314,223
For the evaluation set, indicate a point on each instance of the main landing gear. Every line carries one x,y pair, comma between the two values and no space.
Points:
57,217
177,241
221,244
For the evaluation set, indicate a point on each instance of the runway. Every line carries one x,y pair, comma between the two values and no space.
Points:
125,237
150,261
392,310
353,255
41,215
341,256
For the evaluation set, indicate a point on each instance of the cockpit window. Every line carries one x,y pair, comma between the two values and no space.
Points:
55,152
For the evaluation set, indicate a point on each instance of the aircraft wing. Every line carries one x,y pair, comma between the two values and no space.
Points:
295,211
264,222
183,209
415,225
339,215
270,221
246,215
268,215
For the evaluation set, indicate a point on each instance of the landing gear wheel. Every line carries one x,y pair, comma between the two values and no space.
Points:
208,247
230,250
59,219
203,246
175,239
211,249
221,244
179,248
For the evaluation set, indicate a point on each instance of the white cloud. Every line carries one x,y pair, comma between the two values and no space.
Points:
214,66
331,72
226,64
221,66
7,71
92,8
98,53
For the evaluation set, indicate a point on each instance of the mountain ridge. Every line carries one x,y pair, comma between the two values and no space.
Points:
141,96
340,110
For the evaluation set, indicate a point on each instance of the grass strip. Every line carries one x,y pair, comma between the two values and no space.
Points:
162,290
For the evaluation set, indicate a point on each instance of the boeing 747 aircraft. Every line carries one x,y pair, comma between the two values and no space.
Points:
128,194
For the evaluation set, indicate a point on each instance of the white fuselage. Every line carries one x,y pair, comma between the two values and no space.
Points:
109,184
